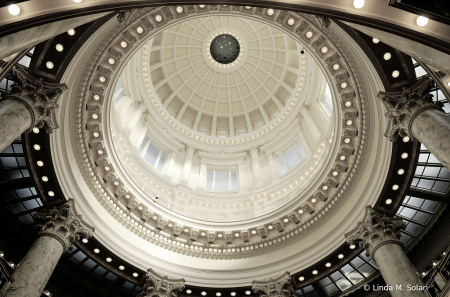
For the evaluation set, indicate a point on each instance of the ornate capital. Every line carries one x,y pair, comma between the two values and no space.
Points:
63,224
375,230
157,285
403,106
39,97
324,22
278,287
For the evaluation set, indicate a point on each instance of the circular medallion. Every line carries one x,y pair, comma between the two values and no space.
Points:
225,49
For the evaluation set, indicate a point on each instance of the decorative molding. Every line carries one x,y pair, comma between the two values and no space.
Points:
157,285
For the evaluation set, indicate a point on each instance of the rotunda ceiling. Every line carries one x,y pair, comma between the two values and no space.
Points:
220,97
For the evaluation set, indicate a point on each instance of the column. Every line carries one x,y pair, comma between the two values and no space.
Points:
162,286
187,165
413,113
257,180
30,103
202,176
241,175
60,227
131,123
273,167
279,287
141,137
315,132
379,235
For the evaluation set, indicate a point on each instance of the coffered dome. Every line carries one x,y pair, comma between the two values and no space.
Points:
224,99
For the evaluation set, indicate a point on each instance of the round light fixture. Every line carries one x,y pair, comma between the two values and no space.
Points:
116,183
248,292
313,200
236,234
324,50
37,147
253,231
107,168
140,30
123,44
188,291
202,233
328,264
401,171
59,47
14,9
96,251
387,56
343,85
128,196
108,260
270,227
347,140
135,274
340,256
218,294
352,246
335,173
36,130
71,32
291,22
100,152
121,267
358,3
395,187
202,6
85,240
336,66
309,34
140,207
349,122
111,61
203,293
102,79
96,97
233,294
374,40
315,272
404,155
406,139
286,220
395,73
270,12
342,158
388,201
300,211
45,178
220,235
94,116
179,9
158,18
51,193
155,217
348,103
40,163
422,21
325,188
301,278
49,65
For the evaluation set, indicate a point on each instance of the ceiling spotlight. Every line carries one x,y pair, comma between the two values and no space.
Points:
404,155
203,293
422,21
352,246
358,3
202,233
179,9
170,225
233,294
188,291
155,217
300,211
424,273
49,65
309,34
36,130
313,200
121,267
387,56
344,85
158,18
270,12
335,173
315,272
220,235
135,274
100,152
324,50
108,260
286,220
202,6
395,187
291,22
123,44
85,240
388,201
96,251
270,227
374,40
336,66
325,188
248,292
218,294
347,140
186,230
140,207
102,79
253,231
349,122
401,171
395,73
111,61
301,278
236,234
340,256
14,9
348,103
140,30
116,183
59,47
44,178
71,32
107,168
96,97
406,139
37,147
328,264
128,196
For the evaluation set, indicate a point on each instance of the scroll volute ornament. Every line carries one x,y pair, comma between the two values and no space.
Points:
278,287
41,98
375,230
63,224
403,106
160,286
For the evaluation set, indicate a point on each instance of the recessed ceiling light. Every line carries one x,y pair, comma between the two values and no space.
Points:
111,61
335,173
44,178
108,259
37,147
349,122
388,201
324,50
270,227
336,66
291,22
202,6
270,12
422,21
218,294
116,183
96,97
124,44
401,171
85,240
107,168
253,231
404,155
328,264
71,32
248,292
14,9
140,30
315,272
49,65
286,220
406,139
358,3
94,116
188,291
344,85
220,235
233,293
102,79
158,18
36,130
179,9
301,278
348,103
313,200
96,251
135,274
203,293
121,267
387,56
347,140
59,47
374,40
340,256
300,211
342,158
40,163
352,246
395,187
309,34
325,188
395,73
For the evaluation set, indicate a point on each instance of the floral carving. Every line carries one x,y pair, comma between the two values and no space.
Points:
404,105
160,286
40,97
375,229
63,223
279,287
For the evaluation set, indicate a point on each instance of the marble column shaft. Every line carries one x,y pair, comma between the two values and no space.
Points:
60,227
379,235
30,103
432,128
187,165
311,123
257,180
15,118
34,271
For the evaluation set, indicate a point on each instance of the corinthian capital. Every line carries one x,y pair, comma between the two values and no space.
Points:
403,106
157,285
278,287
375,230
63,224
39,97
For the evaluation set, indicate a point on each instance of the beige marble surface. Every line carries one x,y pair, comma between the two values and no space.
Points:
15,118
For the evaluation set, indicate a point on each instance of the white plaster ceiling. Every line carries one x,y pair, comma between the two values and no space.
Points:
210,98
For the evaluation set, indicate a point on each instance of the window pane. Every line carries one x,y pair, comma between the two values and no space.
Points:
292,157
233,181
221,180
301,149
152,154
420,71
161,162
144,142
209,179
280,160
327,104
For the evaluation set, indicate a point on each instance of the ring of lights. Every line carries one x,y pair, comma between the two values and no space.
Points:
106,197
